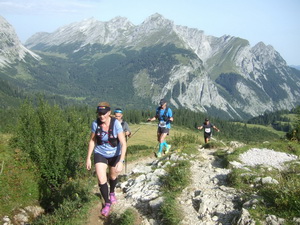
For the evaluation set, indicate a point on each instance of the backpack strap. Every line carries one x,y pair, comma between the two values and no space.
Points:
164,116
157,112
166,112
98,132
111,139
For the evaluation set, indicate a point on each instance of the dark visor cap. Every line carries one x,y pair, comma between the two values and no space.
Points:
103,109
162,102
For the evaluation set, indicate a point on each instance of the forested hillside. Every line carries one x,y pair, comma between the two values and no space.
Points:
281,120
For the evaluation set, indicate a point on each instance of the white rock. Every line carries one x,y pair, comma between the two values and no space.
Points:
269,180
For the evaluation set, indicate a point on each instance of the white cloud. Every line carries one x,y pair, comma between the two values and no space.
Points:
45,6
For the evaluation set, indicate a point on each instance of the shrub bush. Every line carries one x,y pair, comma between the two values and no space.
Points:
56,141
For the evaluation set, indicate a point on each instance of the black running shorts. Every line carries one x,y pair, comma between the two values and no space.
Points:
109,161
163,130
207,135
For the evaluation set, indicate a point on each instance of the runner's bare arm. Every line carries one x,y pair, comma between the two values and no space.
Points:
217,129
151,119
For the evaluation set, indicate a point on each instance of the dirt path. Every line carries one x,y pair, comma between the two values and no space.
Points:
206,201
94,215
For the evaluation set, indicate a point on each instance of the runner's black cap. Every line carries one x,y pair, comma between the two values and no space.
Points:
103,107
162,102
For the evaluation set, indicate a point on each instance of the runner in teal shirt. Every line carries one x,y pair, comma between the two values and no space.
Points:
164,115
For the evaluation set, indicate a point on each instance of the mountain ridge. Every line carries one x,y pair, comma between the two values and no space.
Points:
158,59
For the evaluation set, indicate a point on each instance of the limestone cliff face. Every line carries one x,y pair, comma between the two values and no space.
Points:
11,48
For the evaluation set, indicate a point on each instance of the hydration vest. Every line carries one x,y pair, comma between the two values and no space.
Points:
164,116
111,139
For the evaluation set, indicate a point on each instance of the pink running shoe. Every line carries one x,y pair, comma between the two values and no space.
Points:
113,199
106,209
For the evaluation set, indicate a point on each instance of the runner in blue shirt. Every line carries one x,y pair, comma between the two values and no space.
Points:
165,116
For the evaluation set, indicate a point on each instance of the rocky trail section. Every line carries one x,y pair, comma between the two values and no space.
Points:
207,200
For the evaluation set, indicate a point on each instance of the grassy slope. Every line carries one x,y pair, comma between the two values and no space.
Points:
146,135
267,128
18,184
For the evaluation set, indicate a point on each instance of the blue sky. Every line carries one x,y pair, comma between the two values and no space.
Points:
274,22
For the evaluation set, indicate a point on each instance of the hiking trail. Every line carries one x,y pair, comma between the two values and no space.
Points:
207,200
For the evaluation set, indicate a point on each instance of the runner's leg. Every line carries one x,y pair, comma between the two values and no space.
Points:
162,141
102,179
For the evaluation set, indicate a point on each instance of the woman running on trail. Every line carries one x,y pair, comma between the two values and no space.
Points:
108,143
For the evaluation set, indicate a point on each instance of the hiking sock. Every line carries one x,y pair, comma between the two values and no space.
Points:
165,144
113,184
161,145
104,192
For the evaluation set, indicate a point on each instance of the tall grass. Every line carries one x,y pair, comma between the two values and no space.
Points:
177,179
183,140
169,212
18,182
76,194
284,199
128,217
135,152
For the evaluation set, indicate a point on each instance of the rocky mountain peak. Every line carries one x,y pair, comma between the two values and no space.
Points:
11,48
121,22
157,21
267,54
88,31
85,25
